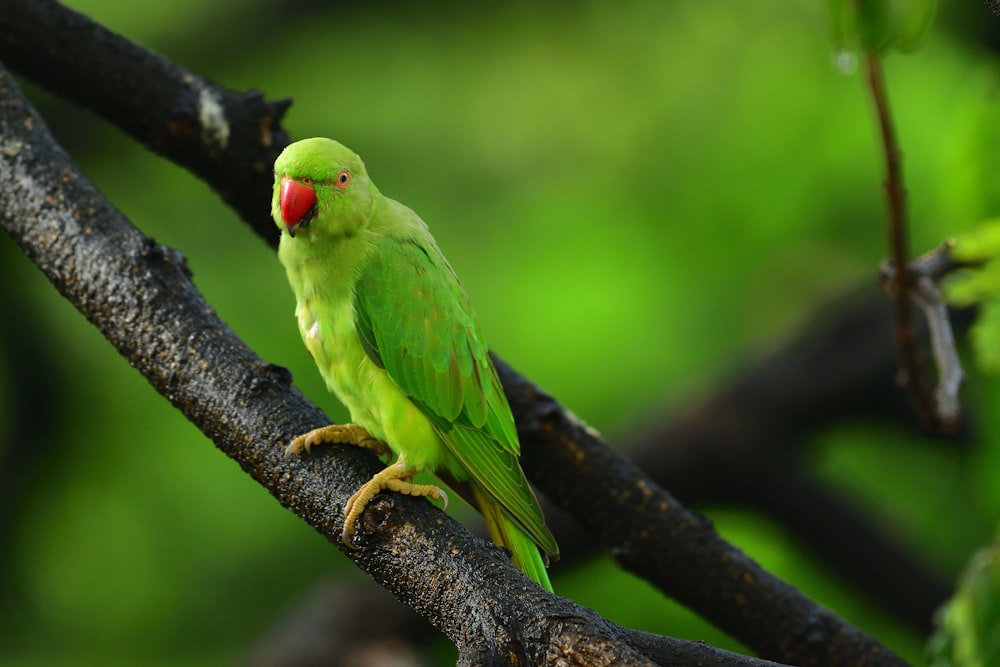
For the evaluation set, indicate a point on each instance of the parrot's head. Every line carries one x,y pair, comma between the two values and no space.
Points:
321,189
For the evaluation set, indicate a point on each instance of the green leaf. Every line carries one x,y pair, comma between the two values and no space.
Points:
986,337
880,25
974,286
979,245
968,626
980,285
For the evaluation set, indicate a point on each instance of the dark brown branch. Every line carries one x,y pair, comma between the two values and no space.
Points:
928,269
334,627
857,549
924,272
911,365
950,373
652,535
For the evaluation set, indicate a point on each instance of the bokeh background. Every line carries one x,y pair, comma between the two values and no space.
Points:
638,196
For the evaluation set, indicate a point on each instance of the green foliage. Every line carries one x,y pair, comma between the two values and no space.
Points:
980,245
980,285
968,626
881,25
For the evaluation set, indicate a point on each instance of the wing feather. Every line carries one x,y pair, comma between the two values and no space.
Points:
415,321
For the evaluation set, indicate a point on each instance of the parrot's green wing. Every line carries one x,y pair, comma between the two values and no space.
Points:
415,321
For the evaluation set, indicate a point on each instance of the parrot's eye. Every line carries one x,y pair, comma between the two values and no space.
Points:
343,179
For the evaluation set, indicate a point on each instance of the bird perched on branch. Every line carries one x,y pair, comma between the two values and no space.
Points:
395,338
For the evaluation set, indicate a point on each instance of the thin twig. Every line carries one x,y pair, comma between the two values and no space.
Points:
911,368
924,272
950,373
931,267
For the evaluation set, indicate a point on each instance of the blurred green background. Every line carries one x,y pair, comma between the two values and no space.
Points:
637,195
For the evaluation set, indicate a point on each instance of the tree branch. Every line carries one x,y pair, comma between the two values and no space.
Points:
940,410
652,535
911,368
925,271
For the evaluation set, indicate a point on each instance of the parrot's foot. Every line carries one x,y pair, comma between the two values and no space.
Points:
394,478
337,434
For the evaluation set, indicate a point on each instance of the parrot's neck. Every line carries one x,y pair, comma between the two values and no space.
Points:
320,267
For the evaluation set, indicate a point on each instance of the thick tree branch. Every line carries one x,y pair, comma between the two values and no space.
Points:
652,535
860,551
643,516
939,410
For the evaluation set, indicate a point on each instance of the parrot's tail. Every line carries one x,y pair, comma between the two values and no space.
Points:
508,534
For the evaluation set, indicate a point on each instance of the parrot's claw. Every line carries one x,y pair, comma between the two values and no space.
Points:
394,478
338,434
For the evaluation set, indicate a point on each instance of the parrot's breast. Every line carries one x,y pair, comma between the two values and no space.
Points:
330,336
366,390
324,278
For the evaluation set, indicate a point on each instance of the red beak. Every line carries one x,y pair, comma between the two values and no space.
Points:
298,203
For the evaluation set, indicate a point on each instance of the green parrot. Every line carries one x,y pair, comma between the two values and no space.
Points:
395,338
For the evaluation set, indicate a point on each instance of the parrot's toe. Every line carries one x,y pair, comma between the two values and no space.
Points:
337,434
303,442
377,446
347,537
394,478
